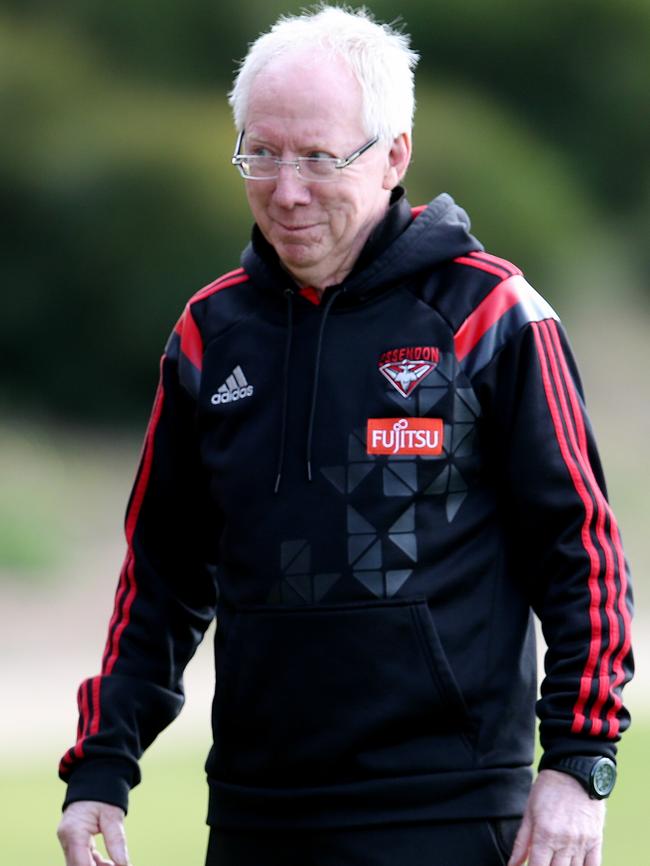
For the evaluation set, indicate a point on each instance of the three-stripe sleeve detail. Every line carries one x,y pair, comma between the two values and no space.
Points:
609,619
89,698
185,346
88,724
127,587
510,305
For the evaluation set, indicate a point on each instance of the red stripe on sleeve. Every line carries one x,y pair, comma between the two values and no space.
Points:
588,674
481,266
94,724
502,298
186,327
609,545
507,266
129,584
594,561
191,342
117,607
619,672
232,278
83,712
131,592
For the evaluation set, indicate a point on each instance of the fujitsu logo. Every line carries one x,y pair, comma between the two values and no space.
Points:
235,387
404,436
405,368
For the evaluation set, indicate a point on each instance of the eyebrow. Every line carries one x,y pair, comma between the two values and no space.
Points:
262,140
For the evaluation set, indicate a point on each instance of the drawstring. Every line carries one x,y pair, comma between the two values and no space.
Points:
288,293
312,411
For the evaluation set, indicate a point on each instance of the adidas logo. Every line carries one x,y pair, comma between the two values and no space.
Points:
234,388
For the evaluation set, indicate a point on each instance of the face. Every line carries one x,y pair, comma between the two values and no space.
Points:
306,106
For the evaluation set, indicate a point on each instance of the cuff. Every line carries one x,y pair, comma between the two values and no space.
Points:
102,781
569,747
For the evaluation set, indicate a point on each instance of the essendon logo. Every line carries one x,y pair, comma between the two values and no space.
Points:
405,368
404,436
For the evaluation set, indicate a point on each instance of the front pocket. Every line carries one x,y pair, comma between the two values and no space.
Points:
339,692
503,832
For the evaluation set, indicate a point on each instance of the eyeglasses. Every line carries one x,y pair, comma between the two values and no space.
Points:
309,168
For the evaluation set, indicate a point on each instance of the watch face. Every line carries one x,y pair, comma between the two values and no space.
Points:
603,777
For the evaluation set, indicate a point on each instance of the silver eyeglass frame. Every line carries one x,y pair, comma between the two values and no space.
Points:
336,162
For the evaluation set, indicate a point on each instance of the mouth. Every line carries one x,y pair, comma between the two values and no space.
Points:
292,229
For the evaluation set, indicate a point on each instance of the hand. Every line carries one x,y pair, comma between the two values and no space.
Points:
562,826
84,819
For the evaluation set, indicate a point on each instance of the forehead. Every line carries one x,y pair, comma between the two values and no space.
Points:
307,94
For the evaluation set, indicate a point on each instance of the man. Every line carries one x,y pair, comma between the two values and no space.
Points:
369,455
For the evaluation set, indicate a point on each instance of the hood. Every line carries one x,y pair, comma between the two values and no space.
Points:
417,239
406,242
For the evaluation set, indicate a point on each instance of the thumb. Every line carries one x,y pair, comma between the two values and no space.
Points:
522,842
111,826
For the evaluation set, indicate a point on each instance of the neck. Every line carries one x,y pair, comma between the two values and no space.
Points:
328,273
333,272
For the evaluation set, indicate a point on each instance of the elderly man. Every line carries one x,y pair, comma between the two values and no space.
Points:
369,456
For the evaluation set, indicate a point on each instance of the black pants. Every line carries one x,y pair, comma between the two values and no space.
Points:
459,843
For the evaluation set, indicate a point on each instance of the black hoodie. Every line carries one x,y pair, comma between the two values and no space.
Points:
372,493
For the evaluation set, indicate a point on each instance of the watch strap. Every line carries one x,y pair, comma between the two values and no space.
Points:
596,774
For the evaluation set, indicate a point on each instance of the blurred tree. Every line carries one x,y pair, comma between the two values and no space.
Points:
119,200
578,71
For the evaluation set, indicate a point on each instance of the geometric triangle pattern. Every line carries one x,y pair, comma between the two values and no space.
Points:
357,524
298,585
407,542
453,503
440,485
400,478
295,557
336,476
395,580
445,393
373,581
357,472
428,398
405,523
364,552
358,546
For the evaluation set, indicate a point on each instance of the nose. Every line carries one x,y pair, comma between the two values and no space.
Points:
290,190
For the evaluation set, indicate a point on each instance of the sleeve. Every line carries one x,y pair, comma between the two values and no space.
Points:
165,598
566,540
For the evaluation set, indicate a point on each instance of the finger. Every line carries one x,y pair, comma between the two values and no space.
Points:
594,855
561,858
541,855
98,859
77,854
522,843
112,830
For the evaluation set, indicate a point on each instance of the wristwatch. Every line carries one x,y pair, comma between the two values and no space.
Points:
597,775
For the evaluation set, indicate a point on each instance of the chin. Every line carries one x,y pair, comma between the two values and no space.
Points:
294,255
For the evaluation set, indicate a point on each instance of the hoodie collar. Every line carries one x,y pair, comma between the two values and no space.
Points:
405,242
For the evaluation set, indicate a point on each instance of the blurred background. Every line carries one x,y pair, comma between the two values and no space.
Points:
118,202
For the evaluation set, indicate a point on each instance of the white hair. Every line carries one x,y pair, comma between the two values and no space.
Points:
378,55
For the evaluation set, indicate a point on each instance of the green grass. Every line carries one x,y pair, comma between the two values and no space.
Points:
166,827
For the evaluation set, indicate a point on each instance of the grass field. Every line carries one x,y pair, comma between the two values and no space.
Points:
165,824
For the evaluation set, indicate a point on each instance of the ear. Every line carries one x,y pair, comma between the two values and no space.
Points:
399,157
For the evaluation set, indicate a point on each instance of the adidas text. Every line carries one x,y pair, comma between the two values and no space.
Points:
235,387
